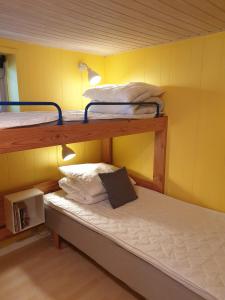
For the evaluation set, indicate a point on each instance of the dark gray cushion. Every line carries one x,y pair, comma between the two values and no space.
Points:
118,186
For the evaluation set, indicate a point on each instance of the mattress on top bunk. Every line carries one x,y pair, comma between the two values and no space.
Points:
22,119
184,241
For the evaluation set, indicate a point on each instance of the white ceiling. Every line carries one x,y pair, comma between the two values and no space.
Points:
109,26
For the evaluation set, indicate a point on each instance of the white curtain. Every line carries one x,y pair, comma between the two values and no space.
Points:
3,86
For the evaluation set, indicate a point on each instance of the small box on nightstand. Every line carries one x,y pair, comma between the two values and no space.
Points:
24,210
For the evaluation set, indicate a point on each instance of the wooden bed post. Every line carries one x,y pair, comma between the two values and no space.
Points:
160,159
56,240
107,156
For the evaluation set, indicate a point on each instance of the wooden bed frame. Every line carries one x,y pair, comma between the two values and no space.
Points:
24,138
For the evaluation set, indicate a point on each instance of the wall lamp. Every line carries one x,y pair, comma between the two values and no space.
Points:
93,77
67,153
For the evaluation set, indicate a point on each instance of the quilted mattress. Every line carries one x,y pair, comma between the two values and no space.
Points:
185,241
21,119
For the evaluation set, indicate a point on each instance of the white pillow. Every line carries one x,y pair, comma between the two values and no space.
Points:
87,176
132,92
86,172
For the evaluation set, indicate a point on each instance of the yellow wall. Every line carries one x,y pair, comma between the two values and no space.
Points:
193,74
47,74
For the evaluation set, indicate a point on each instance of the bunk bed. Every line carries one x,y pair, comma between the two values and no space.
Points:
143,277
150,278
60,132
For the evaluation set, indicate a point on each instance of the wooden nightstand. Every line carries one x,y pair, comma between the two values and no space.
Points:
24,210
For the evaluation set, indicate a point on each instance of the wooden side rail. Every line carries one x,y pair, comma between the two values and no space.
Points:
18,139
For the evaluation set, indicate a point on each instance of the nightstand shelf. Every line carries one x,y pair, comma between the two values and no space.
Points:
24,210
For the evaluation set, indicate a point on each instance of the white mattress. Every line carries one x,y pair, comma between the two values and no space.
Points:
21,119
185,241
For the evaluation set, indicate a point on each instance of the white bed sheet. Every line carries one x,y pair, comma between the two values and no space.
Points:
21,119
185,241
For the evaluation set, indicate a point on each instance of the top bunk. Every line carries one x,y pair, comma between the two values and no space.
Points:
30,130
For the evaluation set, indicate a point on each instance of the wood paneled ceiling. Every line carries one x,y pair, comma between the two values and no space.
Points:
109,26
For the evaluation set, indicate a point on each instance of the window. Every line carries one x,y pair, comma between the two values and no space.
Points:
3,82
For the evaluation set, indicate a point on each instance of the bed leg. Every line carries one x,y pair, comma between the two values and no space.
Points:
56,240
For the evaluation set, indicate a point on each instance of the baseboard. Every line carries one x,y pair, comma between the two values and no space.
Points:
22,243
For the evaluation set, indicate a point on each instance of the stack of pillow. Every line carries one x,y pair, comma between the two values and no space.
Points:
94,182
133,92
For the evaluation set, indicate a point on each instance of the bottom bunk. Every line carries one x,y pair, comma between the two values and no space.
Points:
160,247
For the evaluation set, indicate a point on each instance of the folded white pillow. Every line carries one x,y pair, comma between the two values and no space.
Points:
131,92
128,109
85,177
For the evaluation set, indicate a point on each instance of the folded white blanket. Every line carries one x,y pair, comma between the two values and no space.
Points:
79,192
128,109
132,92
82,183
86,176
